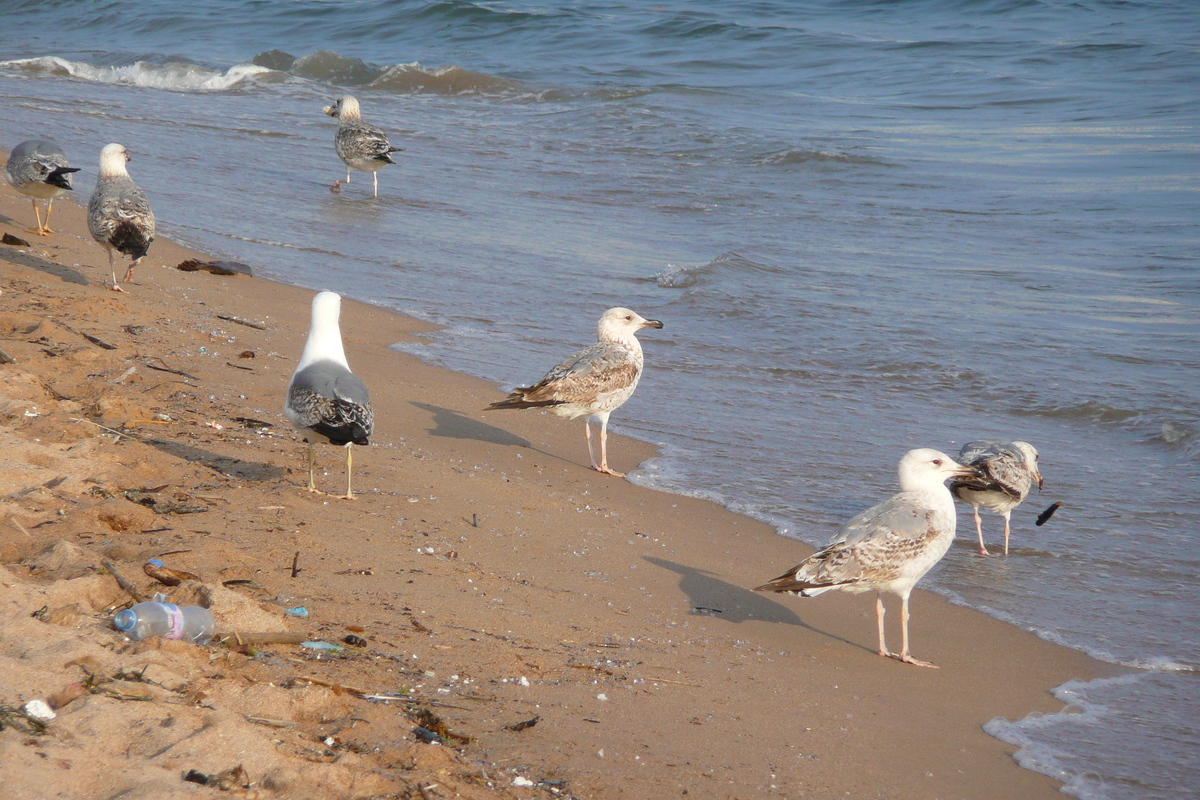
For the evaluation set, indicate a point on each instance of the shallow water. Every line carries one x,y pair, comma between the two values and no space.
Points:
867,226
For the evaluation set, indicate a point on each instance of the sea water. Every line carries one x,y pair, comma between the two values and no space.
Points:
868,226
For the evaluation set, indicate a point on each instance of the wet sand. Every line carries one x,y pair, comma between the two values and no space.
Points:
493,575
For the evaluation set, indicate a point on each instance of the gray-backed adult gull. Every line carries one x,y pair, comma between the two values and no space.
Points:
594,382
360,145
324,396
888,547
119,214
39,170
1008,469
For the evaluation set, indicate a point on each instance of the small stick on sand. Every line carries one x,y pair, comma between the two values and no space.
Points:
295,564
122,580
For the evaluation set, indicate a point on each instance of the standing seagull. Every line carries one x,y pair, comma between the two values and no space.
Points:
888,547
360,145
324,396
119,214
1008,469
594,382
39,170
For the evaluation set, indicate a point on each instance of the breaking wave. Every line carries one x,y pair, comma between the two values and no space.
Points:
172,75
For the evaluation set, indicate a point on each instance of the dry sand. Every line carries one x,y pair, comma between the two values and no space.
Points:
494,577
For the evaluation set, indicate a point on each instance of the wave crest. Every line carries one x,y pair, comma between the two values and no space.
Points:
173,75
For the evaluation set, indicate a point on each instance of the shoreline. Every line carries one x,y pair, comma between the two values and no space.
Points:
569,587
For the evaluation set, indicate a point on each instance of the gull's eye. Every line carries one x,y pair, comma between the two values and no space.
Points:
937,462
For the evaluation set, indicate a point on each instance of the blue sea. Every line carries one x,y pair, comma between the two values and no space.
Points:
868,226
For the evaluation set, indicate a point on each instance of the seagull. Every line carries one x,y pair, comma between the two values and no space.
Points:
324,396
594,382
39,170
119,214
1008,470
888,547
360,145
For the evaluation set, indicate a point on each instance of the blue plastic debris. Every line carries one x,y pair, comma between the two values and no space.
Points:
298,611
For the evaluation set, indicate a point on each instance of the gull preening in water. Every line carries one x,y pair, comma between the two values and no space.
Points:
324,397
119,214
360,145
1007,471
594,382
39,170
888,547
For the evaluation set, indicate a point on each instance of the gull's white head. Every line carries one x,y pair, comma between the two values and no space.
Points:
324,334
620,324
112,160
345,107
326,308
1031,460
924,468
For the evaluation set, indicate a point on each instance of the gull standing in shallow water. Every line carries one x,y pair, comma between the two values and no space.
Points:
888,547
360,145
594,382
39,170
324,396
1008,469
119,214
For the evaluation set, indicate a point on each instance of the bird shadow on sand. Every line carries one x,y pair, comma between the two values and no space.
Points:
26,259
255,471
713,597
454,425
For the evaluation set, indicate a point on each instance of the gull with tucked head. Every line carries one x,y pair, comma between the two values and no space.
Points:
593,382
1008,472
39,170
888,547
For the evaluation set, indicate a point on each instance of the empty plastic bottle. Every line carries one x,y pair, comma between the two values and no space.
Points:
158,618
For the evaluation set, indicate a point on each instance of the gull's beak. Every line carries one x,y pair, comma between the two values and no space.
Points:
963,471
331,110
651,323
1037,476
127,156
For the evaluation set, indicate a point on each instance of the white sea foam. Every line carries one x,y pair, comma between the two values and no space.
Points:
172,76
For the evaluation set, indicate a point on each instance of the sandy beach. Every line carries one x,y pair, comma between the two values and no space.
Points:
494,578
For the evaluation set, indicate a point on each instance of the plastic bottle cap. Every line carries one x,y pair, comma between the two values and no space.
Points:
125,620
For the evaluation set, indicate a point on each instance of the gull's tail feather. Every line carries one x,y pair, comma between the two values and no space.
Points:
61,177
524,398
794,582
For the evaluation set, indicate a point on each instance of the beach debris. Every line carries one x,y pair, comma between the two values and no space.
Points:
522,781
5,358
72,691
165,575
323,646
246,354
1045,516
354,640
156,617
250,422
16,718
517,727
14,241
298,611
228,780
266,637
416,623
431,728
166,368
39,710
216,267
243,321
296,564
